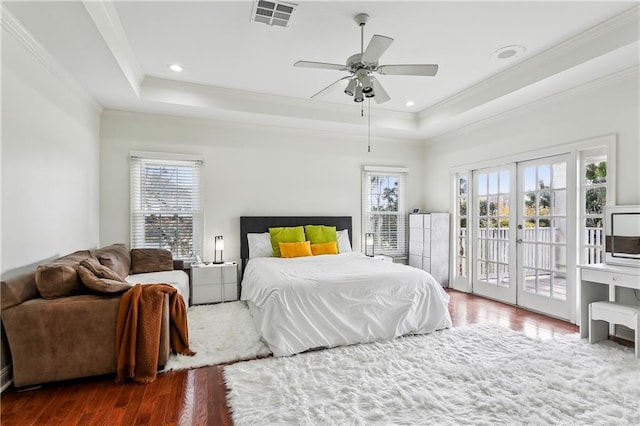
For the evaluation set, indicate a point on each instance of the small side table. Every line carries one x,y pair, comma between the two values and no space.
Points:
214,283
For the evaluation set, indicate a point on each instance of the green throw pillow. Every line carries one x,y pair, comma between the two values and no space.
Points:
285,235
319,234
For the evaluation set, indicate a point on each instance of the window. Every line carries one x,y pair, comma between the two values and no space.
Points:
165,203
384,209
461,234
593,198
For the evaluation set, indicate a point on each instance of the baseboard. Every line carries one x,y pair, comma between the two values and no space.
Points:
5,377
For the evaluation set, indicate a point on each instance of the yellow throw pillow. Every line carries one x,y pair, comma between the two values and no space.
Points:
300,249
324,248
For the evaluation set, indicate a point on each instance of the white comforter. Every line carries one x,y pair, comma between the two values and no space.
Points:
332,300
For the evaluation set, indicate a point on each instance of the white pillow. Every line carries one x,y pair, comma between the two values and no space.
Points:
344,246
259,245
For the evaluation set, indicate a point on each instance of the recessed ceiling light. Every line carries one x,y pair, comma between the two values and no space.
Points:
508,53
410,103
175,67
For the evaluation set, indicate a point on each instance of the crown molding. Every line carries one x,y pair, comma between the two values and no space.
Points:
14,27
630,73
618,31
278,108
107,21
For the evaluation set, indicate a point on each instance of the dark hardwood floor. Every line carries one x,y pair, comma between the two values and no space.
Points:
198,397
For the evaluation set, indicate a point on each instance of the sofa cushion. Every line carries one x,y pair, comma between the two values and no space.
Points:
59,278
18,289
115,257
150,260
102,284
99,270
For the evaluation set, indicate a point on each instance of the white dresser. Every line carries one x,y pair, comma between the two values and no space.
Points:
429,244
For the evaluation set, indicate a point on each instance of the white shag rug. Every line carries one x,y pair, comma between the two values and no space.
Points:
219,333
480,375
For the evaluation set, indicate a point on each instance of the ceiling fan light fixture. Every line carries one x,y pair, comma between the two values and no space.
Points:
363,66
367,87
351,87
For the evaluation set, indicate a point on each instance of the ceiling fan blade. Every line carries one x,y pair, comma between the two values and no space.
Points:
322,65
330,88
414,69
381,95
377,46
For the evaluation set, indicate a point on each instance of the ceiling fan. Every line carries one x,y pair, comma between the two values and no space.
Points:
362,84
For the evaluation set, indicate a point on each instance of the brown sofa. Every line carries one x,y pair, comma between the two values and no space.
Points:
59,329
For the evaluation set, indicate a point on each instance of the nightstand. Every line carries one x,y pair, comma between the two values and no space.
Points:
214,283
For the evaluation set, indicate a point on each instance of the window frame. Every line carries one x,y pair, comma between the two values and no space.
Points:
402,214
138,161
592,253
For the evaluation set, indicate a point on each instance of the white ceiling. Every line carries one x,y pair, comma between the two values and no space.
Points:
239,70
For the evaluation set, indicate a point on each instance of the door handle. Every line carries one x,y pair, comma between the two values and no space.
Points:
519,241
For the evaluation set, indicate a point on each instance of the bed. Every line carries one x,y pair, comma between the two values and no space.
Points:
304,303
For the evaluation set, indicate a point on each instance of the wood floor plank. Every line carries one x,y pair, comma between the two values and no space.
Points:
201,396
198,396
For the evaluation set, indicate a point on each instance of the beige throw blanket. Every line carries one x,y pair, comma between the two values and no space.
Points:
138,331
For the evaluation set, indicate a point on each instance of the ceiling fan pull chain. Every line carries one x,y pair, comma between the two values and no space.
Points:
369,126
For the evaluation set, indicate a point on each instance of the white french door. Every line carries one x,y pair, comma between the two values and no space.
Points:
522,234
546,198
494,253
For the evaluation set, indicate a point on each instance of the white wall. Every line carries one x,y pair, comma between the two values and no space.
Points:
50,165
609,106
248,170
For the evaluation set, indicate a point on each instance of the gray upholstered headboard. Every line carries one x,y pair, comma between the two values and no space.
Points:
258,224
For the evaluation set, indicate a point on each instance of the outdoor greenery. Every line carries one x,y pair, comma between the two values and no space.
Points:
383,207
596,197
595,200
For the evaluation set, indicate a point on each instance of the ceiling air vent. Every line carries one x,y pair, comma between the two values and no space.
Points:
272,13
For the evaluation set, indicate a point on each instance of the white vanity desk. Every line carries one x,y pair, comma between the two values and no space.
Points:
596,280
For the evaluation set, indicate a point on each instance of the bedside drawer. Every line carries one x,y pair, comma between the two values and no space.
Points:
229,274
230,292
207,294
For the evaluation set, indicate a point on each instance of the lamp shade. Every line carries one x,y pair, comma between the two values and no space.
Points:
368,244
367,87
219,242
358,96
351,87
218,246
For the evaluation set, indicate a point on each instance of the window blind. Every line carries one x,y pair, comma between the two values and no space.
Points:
166,205
384,211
